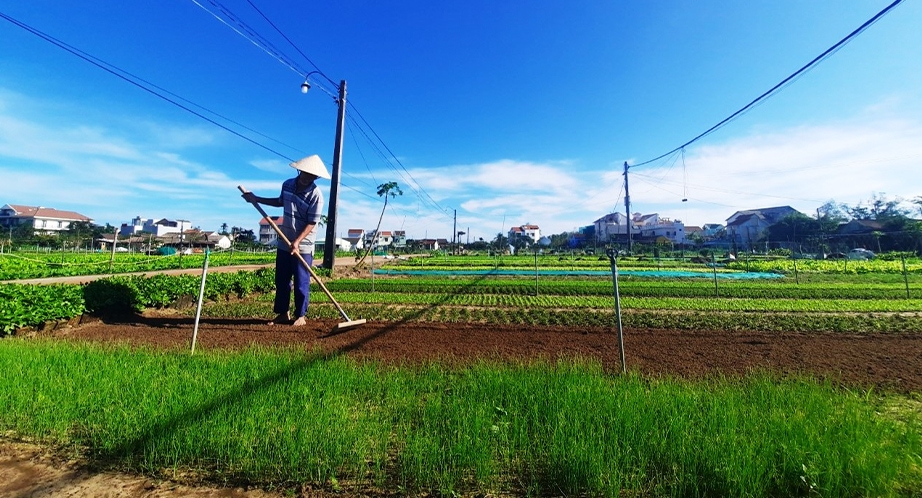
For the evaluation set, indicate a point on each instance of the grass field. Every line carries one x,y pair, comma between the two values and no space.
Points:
279,417
282,417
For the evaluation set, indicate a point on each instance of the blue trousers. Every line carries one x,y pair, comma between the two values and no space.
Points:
286,268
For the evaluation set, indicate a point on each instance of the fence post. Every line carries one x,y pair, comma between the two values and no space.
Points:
612,259
114,240
536,272
714,267
201,297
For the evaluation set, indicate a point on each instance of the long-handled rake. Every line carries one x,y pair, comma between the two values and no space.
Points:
348,323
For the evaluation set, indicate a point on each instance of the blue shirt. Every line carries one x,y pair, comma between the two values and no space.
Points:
302,207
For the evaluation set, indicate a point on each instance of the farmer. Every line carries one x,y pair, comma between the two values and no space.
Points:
302,202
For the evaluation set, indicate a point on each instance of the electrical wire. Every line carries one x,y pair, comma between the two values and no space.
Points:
816,60
261,43
277,30
250,34
124,75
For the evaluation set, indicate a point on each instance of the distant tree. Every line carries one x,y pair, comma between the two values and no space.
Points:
479,245
560,241
796,228
832,211
914,230
386,190
22,233
878,208
695,238
918,203
79,231
500,242
223,229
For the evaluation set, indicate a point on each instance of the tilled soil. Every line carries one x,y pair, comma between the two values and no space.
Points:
891,361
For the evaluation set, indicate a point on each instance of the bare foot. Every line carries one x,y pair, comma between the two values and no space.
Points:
280,319
300,322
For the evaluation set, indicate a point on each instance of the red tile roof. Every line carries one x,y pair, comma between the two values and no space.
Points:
278,220
43,212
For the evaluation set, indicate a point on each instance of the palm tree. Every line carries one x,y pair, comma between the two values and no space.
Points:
389,189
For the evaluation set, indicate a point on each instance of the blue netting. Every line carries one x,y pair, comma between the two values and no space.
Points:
584,273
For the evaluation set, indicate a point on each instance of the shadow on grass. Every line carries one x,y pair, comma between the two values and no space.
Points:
133,449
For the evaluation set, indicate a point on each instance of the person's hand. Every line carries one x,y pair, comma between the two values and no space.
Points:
249,197
294,247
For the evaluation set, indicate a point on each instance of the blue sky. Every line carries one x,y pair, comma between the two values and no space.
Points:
507,112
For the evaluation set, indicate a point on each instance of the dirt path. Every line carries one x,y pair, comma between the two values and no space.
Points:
31,471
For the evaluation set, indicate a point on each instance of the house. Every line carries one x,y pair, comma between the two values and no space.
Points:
341,245
693,231
860,227
653,227
400,239
745,228
220,241
711,230
430,244
380,239
267,235
649,227
528,231
356,239
43,220
610,227
194,239
158,228
862,233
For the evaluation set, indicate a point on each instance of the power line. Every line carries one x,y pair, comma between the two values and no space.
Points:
431,200
126,76
256,39
277,30
774,89
250,34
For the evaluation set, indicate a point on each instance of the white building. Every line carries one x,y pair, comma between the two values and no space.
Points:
267,235
43,220
528,231
610,225
651,226
356,239
159,227
379,240
643,226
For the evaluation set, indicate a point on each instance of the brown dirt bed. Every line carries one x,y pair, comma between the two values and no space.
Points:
888,361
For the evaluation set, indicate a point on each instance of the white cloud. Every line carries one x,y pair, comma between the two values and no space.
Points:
115,174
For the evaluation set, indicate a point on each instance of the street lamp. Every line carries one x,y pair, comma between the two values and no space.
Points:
328,254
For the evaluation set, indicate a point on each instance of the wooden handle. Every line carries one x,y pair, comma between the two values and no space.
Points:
310,270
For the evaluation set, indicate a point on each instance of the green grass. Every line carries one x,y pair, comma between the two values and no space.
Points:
277,418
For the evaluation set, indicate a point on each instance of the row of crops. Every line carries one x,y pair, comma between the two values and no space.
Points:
30,265
836,302
874,301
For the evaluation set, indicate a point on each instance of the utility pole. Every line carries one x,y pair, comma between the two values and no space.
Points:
627,209
454,233
329,249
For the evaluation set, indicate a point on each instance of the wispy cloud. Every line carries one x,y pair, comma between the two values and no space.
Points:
115,172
